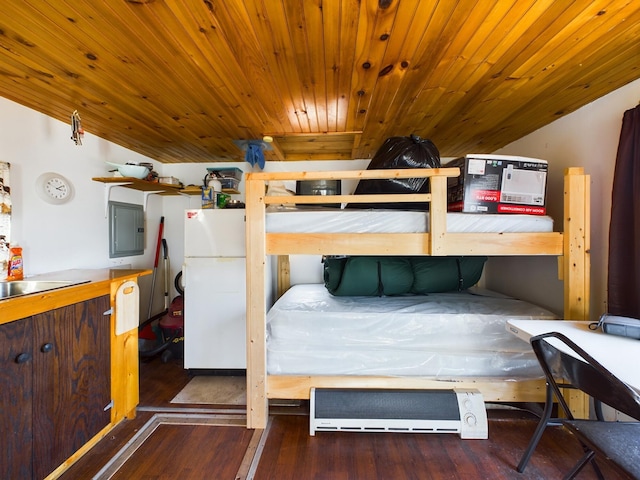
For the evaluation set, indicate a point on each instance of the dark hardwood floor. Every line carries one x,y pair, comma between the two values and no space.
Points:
198,449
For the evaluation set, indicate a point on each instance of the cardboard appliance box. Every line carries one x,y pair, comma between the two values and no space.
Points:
498,184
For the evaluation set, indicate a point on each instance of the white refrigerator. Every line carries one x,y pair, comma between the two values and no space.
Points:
214,280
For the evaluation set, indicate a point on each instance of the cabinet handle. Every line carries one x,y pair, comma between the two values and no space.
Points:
46,348
23,358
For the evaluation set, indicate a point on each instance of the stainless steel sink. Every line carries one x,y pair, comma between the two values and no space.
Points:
17,288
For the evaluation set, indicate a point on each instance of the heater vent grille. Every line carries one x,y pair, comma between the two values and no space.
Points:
387,404
408,411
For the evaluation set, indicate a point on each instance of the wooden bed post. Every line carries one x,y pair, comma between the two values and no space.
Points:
257,403
283,277
438,215
577,246
576,266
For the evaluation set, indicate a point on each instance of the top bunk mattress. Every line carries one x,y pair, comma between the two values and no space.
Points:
445,335
337,220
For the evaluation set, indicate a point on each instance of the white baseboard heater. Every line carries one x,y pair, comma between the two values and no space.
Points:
399,411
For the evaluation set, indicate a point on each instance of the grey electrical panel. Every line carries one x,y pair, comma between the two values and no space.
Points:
126,229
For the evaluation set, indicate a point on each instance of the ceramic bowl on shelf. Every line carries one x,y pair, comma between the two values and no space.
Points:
132,171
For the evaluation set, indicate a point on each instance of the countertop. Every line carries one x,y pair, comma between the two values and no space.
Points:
98,283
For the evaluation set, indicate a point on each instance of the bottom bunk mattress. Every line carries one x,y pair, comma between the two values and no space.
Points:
443,335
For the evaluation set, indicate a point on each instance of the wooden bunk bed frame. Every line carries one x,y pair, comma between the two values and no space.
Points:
571,246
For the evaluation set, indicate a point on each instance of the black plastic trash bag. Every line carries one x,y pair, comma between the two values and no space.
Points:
400,152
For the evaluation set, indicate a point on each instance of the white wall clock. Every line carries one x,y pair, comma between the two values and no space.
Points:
54,188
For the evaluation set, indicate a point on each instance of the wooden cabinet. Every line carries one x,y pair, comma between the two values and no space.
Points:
55,377
16,350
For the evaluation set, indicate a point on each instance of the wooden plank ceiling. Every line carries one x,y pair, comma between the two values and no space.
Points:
180,81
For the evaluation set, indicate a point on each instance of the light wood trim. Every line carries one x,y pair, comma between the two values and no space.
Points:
347,243
353,174
79,453
257,405
330,137
577,248
576,263
27,305
492,389
503,244
438,215
98,283
414,244
320,199
283,275
125,391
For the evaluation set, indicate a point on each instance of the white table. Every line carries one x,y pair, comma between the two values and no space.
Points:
619,355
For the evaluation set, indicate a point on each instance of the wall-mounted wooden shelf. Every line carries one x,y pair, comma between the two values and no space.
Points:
155,187
147,188
191,190
142,185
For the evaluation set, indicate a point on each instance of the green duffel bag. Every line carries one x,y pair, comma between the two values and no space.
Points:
445,274
368,276
382,275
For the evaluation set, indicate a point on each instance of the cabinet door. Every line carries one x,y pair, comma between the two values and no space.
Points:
71,380
16,366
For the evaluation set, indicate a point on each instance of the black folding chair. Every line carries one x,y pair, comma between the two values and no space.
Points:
617,441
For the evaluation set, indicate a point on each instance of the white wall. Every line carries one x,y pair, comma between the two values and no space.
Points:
74,234
586,138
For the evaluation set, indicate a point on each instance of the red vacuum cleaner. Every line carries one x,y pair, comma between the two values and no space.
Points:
168,335
171,338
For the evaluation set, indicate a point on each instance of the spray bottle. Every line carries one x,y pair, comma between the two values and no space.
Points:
15,270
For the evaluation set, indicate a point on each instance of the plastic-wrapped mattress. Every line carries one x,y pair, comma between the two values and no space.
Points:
335,220
447,335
